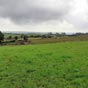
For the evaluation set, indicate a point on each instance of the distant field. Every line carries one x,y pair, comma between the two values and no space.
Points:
41,40
58,39
60,65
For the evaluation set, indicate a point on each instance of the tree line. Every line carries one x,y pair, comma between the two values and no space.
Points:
26,37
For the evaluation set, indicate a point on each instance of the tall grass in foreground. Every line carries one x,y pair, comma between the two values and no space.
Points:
60,65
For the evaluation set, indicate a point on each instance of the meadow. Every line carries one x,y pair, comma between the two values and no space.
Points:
56,65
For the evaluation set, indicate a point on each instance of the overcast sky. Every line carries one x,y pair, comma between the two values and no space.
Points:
44,15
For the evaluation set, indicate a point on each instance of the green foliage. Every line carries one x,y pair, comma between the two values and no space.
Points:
1,36
25,38
16,37
60,65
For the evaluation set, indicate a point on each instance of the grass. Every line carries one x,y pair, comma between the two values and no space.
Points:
58,39
60,65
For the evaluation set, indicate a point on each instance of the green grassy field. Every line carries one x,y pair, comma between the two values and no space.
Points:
60,65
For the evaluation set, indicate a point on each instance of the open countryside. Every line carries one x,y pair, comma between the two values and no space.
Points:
43,43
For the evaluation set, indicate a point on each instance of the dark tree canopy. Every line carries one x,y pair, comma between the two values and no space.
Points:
1,36
16,37
25,38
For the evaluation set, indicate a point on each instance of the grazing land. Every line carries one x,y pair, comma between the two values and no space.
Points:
58,65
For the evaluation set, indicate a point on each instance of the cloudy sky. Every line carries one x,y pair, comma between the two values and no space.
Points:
44,15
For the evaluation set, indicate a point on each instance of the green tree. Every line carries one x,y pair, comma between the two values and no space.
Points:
10,37
1,37
25,38
16,38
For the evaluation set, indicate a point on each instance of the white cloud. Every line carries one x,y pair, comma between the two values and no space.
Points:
44,15
79,15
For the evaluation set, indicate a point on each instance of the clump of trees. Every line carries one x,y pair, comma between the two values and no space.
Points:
21,37
24,39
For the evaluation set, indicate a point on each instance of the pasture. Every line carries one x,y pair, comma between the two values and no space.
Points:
57,65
